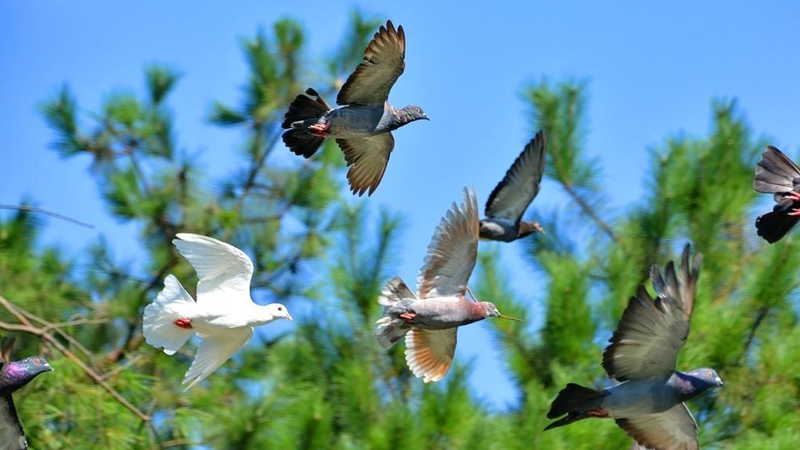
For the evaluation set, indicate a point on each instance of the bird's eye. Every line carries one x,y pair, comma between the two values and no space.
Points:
709,374
281,309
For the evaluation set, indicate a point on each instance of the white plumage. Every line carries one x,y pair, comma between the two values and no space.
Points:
223,315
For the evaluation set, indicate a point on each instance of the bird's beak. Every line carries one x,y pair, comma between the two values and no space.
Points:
47,367
720,383
288,316
509,318
426,117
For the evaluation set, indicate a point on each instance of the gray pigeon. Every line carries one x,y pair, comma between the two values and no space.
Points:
648,402
13,376
430,320
509,199
777,174
363,123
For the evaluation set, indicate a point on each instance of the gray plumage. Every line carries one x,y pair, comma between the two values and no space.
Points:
362,125
13,376
430,319
777,174
648,403
511,197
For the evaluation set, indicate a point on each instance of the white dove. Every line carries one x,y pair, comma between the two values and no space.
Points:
223,315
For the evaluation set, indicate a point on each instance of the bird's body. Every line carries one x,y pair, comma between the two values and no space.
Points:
511,197
648,401
429,320
13,376
363,122
223,315
440,313
776,174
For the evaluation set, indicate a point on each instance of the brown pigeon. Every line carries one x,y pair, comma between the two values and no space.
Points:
362,125
509,200
430,319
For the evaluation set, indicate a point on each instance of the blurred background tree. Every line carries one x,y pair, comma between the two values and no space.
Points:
324,383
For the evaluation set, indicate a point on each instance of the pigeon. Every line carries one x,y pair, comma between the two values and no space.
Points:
13,376
363,123
648,402
777,174
511,197
223,315
430,319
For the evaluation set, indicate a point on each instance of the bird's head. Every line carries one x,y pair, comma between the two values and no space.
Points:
697,381
492,311
19,373
414,113
278,311
528,228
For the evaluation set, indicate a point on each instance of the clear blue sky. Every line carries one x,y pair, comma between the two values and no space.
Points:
652,71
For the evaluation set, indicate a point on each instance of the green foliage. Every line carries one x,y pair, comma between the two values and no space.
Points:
326,384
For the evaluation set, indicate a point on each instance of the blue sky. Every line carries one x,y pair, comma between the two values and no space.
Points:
652,71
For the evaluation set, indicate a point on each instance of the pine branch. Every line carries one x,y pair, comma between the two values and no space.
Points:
590,212
28,327
49,213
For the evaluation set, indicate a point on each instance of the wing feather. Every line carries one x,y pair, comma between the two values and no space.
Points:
511,197
222,269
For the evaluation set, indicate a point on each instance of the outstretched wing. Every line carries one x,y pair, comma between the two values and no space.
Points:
367,158
214,351
673,429
511,197
384,61
452,251
429,353
653,331
12,435
222,269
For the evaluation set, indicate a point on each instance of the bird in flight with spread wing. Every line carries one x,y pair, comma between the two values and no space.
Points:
363,122
776,174
13,376
430,319
509,200
648,403
223,315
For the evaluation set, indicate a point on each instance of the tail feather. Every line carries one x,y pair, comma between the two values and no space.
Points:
302,143
574,401
158,324
773,226
310,105
393,297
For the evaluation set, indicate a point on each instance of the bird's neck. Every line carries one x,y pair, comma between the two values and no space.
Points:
477,311
12,377
686,385
260,315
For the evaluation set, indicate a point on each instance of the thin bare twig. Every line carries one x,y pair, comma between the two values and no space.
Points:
48,213
590,212
28,327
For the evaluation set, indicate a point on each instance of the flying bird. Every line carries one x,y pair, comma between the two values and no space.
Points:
223,315
363,123
13,376
648,403
430,319
777,174
511,197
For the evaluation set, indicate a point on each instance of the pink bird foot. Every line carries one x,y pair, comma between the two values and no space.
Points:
186,324
597,412
792,195
319,129
408,316
794,212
